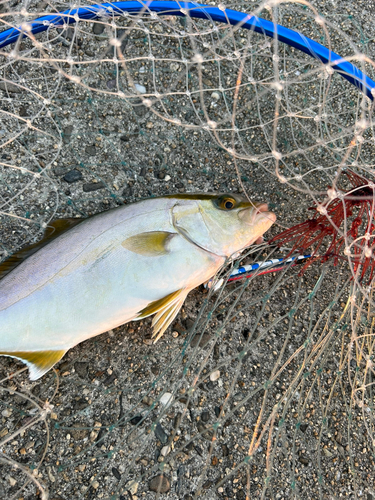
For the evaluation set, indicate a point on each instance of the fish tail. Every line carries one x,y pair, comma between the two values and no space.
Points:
38,362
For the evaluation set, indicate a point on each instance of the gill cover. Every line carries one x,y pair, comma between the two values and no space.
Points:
212,222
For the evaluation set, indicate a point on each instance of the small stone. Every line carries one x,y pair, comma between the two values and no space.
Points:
67,134
225,450
78,431
140,88
98,28
303,460
167,178
12,481
135,420
217,411
91,150
166,399
116,473
93,186
147,401
10,87
161,434
159,484
81,368
215,375
95,485
132,487
143,172
179,328
165,450
200,340
215,96
73,176
303,427
23,111
112,84
205,416
149,125
161,174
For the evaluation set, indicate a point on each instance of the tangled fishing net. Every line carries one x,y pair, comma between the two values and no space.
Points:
263,388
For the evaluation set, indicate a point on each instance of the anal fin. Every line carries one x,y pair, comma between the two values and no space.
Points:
38,362
166,310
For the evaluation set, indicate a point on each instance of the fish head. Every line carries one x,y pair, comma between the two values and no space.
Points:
221,224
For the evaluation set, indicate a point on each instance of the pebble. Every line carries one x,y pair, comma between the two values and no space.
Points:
201,341
91,150
166,399
215,96
214,375
112,84
140,88
147,401
116,473
135,420
23,111
132,487
161,434
165,450
67,134
205,416
10,87
12,481
93,186
73,176
98,28
167,178
81,368
159,483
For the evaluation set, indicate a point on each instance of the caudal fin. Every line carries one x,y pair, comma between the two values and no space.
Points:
38,362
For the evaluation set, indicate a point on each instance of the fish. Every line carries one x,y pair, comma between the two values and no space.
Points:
121,265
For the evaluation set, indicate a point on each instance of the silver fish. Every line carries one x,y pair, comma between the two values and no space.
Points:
118,266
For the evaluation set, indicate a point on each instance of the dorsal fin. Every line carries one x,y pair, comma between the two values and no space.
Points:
38,362
53,230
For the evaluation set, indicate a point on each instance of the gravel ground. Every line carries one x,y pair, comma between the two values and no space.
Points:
255,391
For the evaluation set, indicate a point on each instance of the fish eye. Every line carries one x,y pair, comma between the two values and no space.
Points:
226,202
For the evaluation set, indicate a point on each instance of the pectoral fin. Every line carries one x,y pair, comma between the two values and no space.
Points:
149,244
166,308
38,362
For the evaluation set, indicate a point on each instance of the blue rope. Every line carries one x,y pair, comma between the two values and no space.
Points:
346,69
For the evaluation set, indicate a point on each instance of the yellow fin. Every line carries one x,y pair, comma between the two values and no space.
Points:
38,362
149,244
157,305
166,309
53,230
165,316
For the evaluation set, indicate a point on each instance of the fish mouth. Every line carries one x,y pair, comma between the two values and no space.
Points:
256,214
